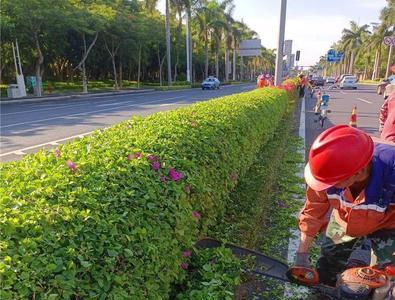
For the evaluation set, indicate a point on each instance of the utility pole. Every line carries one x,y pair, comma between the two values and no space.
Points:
187,47
279,59
168,42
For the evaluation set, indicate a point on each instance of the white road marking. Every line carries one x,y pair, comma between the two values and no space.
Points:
363,100
79,104
343,93
56,142
89,112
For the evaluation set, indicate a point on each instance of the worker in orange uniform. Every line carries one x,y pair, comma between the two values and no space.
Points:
350,197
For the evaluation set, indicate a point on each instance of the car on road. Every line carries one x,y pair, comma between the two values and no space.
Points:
382,85
342,77
317,81
349,82
330,80
211,83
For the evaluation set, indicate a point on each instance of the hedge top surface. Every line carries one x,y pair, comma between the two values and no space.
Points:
110,215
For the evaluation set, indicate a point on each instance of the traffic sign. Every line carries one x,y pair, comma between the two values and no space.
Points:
389,40
334,56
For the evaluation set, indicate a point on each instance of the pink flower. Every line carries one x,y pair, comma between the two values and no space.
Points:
162,178
71,166
174,175
152,157
57,152
184,266
155,165
196,214
130,157
186,253
137,155
233,177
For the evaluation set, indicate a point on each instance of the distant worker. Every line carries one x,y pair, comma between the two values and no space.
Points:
387,119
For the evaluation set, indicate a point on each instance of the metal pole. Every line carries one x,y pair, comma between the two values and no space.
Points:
19,57
387,72
279,59
13,53
168,42
187,47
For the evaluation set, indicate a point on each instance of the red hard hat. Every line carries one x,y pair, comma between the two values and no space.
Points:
336,154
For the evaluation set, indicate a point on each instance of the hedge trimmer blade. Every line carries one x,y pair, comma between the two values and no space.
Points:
263,265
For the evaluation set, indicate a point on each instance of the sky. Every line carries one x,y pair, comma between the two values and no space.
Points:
313,25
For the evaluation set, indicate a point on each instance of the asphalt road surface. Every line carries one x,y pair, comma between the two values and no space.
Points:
341,103
28,127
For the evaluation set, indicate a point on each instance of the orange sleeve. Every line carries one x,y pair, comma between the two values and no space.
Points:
313,217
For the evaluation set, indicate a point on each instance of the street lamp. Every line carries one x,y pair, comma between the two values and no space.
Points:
278,76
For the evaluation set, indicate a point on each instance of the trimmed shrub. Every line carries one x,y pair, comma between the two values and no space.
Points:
109,216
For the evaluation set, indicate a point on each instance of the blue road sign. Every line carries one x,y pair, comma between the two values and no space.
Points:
334,56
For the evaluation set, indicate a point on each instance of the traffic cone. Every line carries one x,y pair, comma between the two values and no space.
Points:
353,118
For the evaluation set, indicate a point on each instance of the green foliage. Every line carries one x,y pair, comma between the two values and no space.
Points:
213,274
94,220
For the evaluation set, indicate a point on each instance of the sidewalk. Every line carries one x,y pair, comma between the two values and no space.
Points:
7,100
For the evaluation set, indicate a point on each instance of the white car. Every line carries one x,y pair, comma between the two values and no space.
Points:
330,80
211,83
349,82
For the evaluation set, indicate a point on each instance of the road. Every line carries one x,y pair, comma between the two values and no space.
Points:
341,103
28,127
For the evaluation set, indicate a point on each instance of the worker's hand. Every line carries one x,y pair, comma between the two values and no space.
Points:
302,260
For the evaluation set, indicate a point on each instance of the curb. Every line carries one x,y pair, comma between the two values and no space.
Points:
76,96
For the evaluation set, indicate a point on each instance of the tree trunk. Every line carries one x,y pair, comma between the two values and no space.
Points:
168,42
351,67
139,68
241,68
39,62
375,65
378,66
216,64
226,64
120,74
234,65
114,69
390,58
206,54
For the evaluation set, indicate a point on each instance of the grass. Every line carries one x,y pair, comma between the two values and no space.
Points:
372,82
65,88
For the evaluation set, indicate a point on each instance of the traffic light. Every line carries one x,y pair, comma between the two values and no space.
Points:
297,55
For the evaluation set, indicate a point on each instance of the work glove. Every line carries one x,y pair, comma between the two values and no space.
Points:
302,260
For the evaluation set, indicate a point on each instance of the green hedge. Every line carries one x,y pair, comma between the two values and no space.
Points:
94,220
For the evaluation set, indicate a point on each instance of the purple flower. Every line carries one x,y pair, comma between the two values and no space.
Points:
184,266
155,165
174,175
130,157
162,178
186,253
281,204
137,155
196,214
152,157
71,166
57,152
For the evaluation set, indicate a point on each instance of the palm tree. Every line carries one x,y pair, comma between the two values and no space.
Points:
352,41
